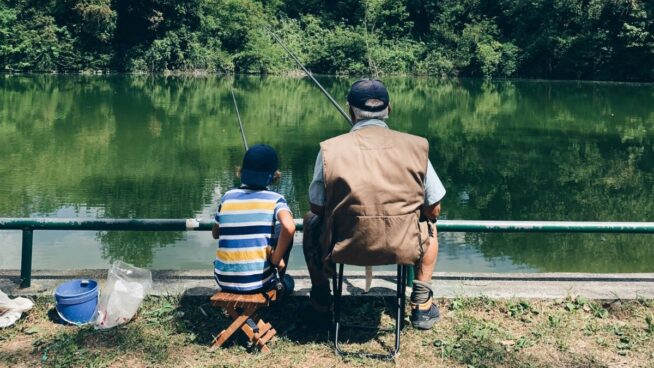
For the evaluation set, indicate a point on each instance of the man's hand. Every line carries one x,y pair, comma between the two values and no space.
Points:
432,212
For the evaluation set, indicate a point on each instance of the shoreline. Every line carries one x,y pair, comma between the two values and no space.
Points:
298,74
446,285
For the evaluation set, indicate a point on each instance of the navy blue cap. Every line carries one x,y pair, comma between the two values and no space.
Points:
368,89
259,165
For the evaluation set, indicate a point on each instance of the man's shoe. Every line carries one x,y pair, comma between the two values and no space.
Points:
424,316
317,317
318,314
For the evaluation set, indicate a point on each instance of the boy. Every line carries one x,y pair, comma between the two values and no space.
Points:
249,246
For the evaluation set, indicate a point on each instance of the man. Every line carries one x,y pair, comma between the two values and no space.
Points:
372,194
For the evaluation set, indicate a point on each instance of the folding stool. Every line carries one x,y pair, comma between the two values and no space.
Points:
243,310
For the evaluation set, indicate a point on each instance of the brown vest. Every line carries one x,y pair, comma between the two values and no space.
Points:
374,188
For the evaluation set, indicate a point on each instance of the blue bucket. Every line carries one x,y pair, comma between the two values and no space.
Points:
77,300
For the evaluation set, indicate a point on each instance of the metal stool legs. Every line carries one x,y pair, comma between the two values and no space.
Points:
400,301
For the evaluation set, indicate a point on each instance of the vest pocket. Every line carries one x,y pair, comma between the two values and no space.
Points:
377,240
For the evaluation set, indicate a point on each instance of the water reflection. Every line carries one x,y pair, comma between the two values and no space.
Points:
157,147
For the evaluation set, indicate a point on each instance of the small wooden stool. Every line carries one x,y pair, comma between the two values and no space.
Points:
242,307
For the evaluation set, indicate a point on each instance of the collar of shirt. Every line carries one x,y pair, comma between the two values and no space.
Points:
368,122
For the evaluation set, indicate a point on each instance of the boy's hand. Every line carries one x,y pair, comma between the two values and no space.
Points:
280,265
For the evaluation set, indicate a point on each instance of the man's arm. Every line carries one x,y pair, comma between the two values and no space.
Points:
434,193
317,188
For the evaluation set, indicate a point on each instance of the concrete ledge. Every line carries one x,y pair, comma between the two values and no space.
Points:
445,285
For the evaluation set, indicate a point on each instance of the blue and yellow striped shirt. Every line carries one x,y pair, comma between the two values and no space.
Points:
247,220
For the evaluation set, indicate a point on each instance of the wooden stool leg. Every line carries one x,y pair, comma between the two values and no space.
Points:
243,310
229,331
266,332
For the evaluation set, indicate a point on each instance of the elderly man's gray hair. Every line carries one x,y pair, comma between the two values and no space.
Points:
360,114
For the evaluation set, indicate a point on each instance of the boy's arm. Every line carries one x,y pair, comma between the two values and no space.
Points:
215,230
285,238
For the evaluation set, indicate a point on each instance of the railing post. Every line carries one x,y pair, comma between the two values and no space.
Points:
26,259
410,275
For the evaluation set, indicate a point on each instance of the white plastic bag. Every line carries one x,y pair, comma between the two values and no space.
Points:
12,309
121,297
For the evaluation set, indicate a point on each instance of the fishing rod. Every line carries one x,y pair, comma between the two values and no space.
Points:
240,123
368,269
308,73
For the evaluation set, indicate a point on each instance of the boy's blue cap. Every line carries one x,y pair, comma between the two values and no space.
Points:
259,165
368,89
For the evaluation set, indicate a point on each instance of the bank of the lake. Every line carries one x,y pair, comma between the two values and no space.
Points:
177,332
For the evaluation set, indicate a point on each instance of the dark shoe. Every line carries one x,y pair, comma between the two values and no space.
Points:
318,314
317,318
424,316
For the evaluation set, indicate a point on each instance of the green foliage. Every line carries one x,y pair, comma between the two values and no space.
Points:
34,42
476,343
600,39
97,19
520,308
649,320
180,50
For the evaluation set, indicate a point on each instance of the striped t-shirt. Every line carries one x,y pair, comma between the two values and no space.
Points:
247,220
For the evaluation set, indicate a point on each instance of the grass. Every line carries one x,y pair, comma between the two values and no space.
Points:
473,332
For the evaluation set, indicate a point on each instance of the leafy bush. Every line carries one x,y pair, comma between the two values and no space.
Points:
601,39
35,45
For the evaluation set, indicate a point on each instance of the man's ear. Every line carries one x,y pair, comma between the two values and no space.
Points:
389,108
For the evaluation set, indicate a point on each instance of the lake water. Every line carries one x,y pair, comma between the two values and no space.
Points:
162,147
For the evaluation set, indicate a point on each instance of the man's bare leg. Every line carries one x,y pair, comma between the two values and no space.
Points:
426,268
424,313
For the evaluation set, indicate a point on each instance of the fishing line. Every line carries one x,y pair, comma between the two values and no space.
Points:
308,73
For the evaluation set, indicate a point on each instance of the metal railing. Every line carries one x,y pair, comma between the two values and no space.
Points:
29,225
